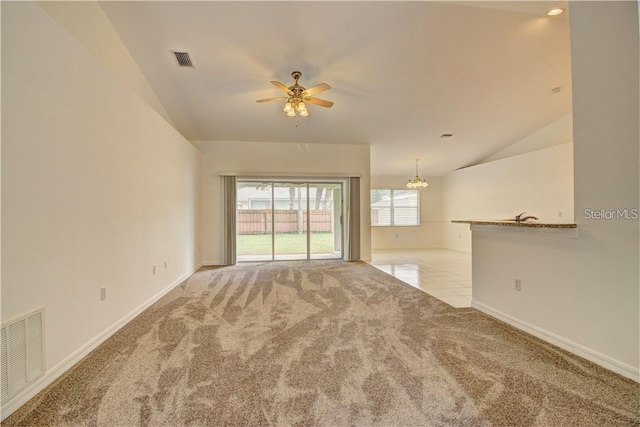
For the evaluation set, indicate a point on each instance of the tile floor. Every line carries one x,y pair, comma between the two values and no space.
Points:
442,273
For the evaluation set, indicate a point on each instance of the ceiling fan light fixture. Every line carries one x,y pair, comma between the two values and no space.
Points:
297,94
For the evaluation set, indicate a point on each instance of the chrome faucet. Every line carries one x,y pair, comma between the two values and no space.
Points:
520,218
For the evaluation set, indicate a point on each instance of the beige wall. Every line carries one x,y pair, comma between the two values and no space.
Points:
96,189
428,234
556,133
277,159
539,182
87,23
583,293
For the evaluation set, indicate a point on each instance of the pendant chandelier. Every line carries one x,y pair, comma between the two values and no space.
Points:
417,182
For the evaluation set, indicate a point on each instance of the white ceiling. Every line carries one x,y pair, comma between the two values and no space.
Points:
401,73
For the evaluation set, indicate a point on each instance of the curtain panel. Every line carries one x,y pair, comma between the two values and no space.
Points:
353,220
229,218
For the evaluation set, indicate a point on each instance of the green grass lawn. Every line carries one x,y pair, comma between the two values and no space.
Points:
260,244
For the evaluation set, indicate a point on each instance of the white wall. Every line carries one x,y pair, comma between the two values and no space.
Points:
583,293
428,234
539,182
279,159
96,188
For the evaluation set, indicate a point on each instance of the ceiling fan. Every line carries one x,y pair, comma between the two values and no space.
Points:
297,96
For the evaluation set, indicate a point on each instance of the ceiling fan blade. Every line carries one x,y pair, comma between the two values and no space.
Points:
316,89
281,87
320,102
273,99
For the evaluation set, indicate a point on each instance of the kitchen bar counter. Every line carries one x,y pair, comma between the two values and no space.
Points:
531,224
533,229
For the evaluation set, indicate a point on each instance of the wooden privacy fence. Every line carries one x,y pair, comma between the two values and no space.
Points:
258,221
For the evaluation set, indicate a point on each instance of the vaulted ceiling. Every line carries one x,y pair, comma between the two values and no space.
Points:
401,73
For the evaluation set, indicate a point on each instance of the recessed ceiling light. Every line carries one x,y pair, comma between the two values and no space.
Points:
555,11
446,135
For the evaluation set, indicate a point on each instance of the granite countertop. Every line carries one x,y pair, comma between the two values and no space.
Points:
513,223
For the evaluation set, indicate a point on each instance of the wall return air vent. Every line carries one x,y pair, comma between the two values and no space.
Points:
183,59
22,348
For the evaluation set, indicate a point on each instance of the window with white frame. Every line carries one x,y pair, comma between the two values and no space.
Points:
395,208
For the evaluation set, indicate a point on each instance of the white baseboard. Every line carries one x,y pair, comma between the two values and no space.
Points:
213,264
54,373
607,362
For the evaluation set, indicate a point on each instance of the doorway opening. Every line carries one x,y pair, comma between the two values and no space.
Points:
289,220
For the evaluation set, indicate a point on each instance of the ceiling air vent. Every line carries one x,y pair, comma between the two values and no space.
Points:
183,59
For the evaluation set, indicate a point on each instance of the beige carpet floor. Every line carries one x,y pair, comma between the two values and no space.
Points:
325,343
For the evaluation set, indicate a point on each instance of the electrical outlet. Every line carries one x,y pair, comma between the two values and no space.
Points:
154,269
518,285
103,293
165,263
559,214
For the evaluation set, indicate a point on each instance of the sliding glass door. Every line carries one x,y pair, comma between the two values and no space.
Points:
325,217
290,231
295,220
254,221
